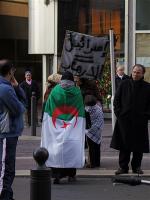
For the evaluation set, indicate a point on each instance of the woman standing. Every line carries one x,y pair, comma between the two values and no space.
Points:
94,125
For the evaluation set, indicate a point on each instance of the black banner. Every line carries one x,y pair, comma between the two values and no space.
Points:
83,55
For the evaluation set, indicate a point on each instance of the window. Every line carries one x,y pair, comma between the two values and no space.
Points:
142,15
93,17
143,52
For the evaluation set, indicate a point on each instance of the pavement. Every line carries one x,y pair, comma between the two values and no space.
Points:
109,157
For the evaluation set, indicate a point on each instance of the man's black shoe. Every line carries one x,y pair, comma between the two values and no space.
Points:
137,171
121,171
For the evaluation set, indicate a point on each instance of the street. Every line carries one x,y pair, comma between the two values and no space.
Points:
85,189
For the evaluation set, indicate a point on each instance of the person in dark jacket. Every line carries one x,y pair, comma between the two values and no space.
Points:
132,109
89,87
120,75
29,86
12,107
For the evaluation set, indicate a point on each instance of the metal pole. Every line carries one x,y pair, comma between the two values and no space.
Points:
126,36
111,36
33,114
40,182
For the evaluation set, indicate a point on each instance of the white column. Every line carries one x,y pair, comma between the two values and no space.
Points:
111,36
44,72
41,27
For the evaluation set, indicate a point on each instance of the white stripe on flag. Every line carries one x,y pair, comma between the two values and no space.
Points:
65,145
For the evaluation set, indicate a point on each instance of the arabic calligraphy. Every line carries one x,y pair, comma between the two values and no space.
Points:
83,55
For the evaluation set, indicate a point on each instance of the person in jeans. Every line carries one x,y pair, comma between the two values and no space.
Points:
12,107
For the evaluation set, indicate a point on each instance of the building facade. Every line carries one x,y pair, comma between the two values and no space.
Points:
32,31
14,38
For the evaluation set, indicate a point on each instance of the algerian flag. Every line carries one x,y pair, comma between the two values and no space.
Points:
63,128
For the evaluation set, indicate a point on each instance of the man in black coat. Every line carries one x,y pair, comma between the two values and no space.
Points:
120,75
132,109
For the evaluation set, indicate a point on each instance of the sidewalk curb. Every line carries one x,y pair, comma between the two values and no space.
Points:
28,137
88,173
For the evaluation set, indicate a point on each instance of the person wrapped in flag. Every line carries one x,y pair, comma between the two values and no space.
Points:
63,129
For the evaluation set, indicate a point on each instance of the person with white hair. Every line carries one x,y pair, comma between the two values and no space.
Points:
120,75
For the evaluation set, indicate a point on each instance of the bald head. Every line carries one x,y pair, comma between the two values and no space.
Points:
138,72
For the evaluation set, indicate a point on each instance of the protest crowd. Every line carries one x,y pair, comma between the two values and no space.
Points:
72,120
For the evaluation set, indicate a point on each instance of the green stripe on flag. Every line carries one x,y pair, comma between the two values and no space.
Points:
68,97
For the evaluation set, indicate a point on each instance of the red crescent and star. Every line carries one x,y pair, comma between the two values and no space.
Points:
64,109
